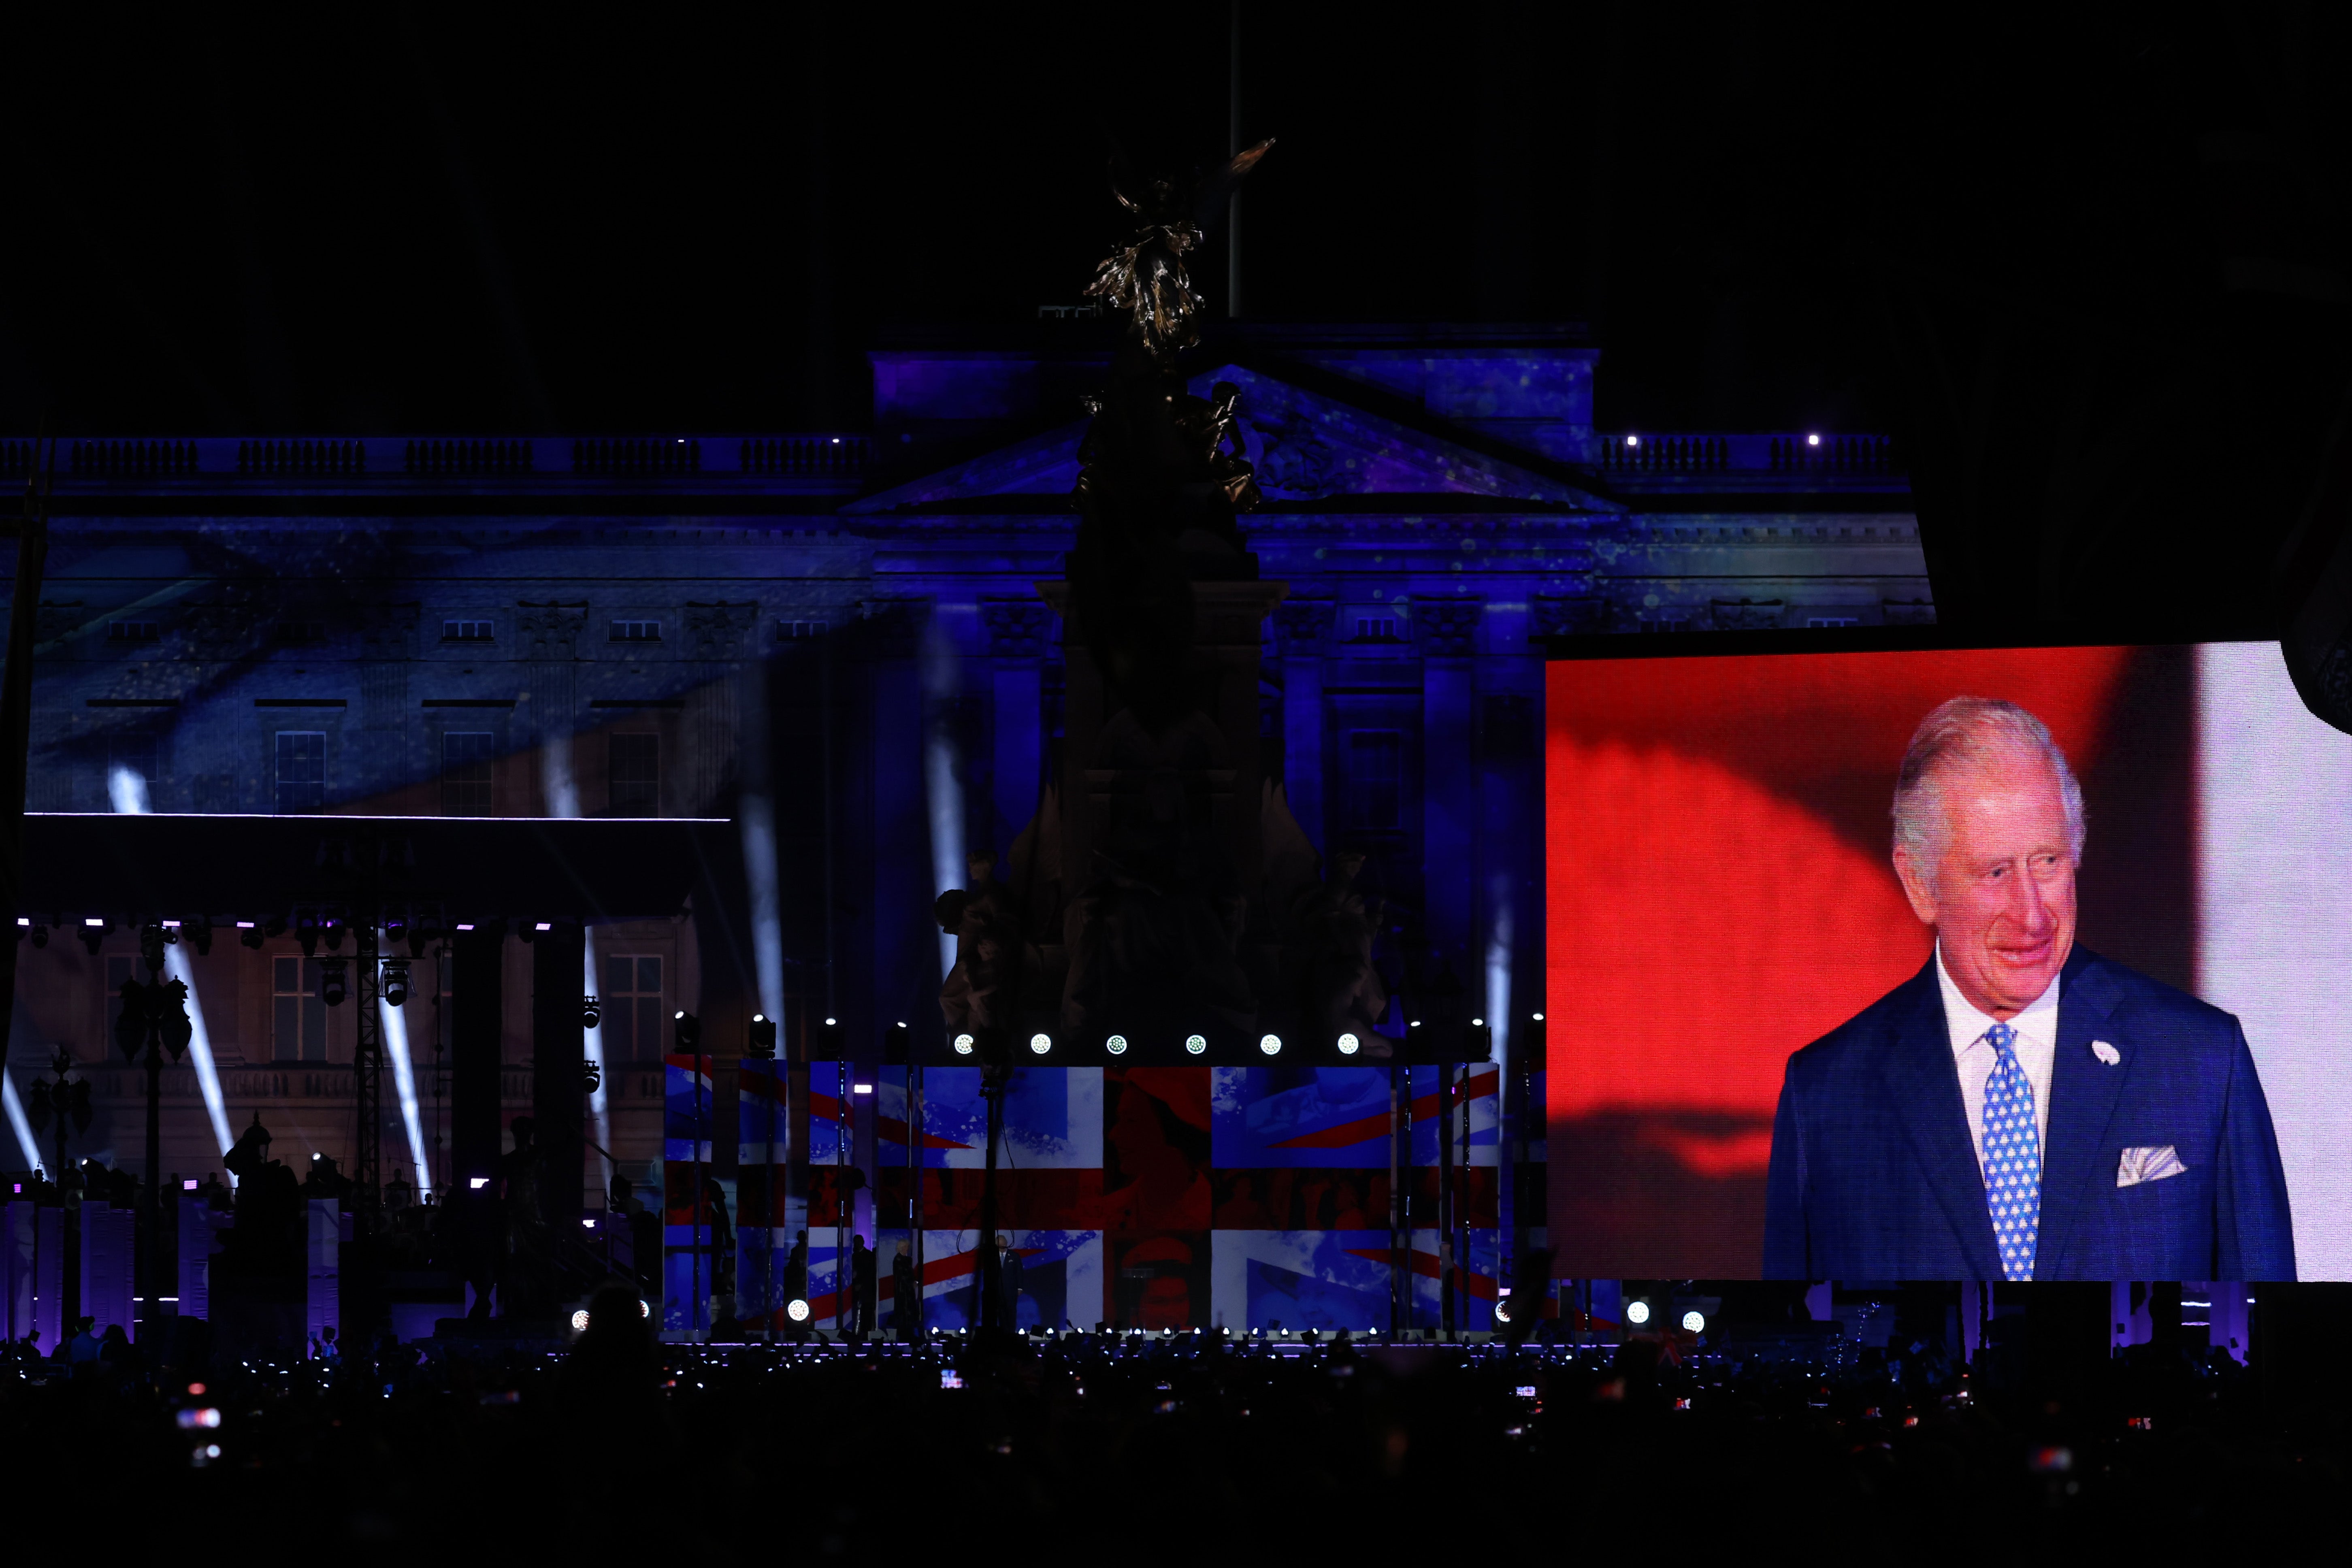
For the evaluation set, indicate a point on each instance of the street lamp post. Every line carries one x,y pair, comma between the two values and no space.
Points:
154,1020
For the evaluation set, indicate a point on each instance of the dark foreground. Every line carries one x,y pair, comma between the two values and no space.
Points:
1099,1449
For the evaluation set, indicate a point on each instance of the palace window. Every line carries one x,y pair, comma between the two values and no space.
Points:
1376,628
465,778
632,999
636,631
468,631
301,770
300,1018
635,774
1832,620
790,631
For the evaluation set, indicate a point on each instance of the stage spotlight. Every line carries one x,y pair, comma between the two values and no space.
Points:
1695,1322
41,936
686,1030
1637,1312
1194,1045
965,1045
331,987
763,1037
898,1046
478,1182
1349,1045
579,1321
395,982
591,1012
591,1075
1270,1043
1041,1044
797,1310
249,934
200,934
1116,1045
642,1309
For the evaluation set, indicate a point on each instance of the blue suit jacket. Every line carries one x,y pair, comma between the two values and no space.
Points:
1875,1174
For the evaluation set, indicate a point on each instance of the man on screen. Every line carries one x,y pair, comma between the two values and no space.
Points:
2021,1108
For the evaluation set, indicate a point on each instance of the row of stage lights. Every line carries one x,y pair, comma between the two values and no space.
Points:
1638,1312
1042,1044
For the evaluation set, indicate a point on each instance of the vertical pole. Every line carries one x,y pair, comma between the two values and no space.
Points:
991,1089
1400,1197
152,1216
1462,1202
1446,1199
699,1208
912,1326
367,1077
841,1280
770,1283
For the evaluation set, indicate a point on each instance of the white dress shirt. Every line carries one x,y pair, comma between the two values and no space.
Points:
2036,1046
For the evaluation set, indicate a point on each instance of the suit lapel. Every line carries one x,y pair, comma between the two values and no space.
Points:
2083,1093
1924,1086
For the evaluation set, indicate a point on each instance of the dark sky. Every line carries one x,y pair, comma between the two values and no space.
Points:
500,219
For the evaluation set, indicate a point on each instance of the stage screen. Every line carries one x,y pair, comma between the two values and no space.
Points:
1720,894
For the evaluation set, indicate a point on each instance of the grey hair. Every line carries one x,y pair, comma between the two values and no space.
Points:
1962,730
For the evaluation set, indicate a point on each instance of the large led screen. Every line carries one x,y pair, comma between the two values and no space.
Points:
1754,1068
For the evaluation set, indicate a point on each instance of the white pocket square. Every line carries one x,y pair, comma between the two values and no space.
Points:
2107,1053
2152,1163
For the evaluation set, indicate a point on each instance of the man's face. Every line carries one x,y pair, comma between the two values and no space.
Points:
2001,895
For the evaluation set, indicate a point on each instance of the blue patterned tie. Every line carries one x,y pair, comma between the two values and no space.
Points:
2013,1149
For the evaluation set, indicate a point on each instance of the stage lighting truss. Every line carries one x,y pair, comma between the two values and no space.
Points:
965,1045
1040,1044
1116,1045
1270,1043
1349,1045
1195,1045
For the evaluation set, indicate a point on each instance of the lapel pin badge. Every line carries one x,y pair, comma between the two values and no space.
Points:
2107,1053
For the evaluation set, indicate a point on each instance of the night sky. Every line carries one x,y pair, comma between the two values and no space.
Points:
563,220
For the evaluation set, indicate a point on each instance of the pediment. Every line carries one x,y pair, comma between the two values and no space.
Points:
1307,446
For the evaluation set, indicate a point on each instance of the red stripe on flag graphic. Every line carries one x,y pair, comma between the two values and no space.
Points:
1368,1127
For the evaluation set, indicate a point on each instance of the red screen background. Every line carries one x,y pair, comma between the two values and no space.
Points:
1720,893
